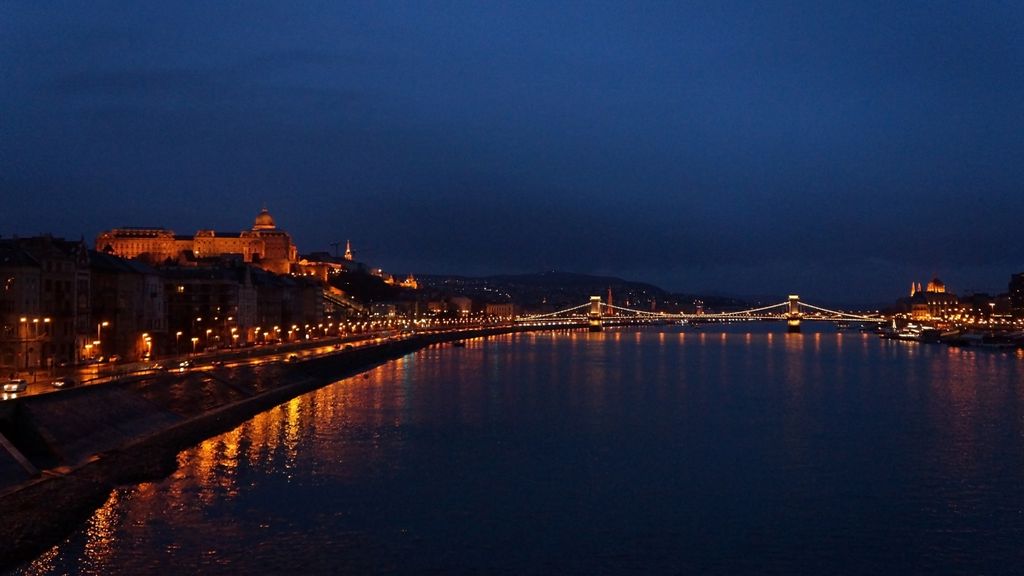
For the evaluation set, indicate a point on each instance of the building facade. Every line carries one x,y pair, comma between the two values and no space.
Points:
44,303
209,307
500,309
932,303
128,308
264,245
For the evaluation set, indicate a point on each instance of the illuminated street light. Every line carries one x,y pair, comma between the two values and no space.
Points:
99,339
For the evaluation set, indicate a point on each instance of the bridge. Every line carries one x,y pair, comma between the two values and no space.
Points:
596,314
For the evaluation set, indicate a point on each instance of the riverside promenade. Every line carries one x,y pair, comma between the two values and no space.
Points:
62,453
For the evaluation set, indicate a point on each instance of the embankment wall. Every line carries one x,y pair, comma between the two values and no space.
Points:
70,449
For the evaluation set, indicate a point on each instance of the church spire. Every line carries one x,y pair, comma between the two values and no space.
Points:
348,251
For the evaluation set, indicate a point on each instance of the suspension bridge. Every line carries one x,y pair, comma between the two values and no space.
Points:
596,314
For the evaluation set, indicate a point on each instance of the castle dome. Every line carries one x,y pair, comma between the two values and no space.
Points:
264,221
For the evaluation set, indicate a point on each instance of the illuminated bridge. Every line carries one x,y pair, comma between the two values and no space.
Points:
597,314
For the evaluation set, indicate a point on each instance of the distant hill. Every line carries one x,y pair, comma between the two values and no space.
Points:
553,290
366,287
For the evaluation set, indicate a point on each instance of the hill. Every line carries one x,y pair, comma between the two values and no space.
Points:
554,290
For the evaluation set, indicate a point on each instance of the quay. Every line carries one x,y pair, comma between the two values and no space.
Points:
62,454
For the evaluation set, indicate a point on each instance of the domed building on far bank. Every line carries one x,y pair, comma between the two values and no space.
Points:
264,245
932,302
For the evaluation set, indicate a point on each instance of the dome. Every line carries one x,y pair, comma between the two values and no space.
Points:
264,221
936,285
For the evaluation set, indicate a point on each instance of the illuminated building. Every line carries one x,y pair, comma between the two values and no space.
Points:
935,286
497,309
933,303
410,282
264,245
978,305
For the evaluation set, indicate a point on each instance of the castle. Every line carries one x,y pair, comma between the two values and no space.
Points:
264,245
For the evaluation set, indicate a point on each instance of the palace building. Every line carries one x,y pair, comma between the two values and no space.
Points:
264,245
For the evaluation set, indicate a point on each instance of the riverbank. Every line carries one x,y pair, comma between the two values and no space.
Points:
65,452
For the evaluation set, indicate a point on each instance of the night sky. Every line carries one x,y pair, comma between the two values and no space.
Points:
835,150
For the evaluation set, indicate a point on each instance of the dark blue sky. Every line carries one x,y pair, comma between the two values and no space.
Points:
838,150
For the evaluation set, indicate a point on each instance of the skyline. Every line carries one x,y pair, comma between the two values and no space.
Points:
104,243
840,151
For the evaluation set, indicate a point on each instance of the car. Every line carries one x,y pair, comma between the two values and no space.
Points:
15,385
66,382
292,358
183,365
114,358
12,388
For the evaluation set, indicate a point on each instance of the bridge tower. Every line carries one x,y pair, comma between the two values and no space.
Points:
594,317
793,314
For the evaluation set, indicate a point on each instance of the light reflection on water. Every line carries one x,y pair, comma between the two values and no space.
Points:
627,451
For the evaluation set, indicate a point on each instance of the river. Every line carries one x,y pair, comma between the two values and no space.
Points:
726,450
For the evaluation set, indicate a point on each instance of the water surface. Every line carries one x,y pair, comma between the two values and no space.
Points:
654,451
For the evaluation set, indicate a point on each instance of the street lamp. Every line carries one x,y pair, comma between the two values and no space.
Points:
35,338
46,326
24,339
177,339
99,339
195,340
